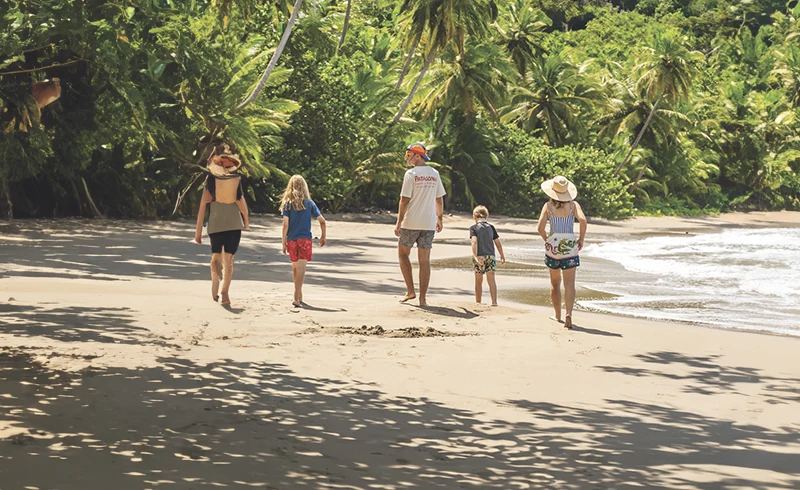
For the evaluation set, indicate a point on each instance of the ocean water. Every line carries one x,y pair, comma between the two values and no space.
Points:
738,278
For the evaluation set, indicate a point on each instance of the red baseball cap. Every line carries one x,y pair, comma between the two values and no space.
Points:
419,149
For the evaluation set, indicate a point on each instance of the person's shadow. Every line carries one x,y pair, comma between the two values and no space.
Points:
451,312
307,306
234,310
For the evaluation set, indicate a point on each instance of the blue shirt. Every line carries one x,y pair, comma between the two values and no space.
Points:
300,221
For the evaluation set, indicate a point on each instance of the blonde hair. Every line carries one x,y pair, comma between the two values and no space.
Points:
296,193
480,212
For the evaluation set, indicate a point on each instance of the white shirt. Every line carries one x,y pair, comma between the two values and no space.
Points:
422,185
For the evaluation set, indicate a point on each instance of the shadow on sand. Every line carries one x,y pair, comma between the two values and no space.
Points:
260,425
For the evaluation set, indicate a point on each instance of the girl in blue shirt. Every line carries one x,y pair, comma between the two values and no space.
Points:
298,210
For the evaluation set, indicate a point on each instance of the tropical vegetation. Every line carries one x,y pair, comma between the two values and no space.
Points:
654,106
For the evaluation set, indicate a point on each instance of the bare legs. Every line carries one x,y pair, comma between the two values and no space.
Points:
298,275
216,272
479,287
227,276
492,287
403,255
424,258
569,293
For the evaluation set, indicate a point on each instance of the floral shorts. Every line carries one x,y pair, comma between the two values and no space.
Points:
556,264
489,264
299,249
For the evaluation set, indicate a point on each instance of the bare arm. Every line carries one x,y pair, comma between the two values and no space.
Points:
500,249
439,213
475,249
242,205
323,230
583,224
201,214
401,213
543,217
284,233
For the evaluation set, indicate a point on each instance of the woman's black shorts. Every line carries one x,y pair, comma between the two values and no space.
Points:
229,240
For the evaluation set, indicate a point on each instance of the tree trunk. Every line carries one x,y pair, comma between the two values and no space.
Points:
7,193
444,122
639,177
346,24
407,64
274,61
639,136
407,102
97,213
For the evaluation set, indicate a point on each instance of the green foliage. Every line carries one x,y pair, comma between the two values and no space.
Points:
514,93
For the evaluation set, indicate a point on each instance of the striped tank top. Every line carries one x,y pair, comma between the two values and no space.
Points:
561,225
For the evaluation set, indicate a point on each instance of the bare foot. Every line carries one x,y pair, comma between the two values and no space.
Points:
296,304
568,322
494,304
556,319
408,297
225,299
215,298
423,303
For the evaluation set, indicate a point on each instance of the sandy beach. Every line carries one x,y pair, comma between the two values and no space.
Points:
118,371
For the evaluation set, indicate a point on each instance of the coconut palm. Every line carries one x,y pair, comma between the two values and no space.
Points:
450,21
465,82
521,26
262,82
553,95
415,18
665,73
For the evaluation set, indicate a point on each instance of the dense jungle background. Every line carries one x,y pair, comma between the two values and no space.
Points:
650,107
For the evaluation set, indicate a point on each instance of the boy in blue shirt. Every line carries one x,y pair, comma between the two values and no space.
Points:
484,239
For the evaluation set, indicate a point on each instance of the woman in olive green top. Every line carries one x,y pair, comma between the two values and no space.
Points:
227,218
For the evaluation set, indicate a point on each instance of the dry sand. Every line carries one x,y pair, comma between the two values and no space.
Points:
117,371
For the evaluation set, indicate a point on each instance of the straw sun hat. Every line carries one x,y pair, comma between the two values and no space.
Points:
560,188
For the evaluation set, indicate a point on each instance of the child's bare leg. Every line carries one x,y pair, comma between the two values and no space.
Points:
299,268
424,257
569,295
404,256
216,272
227,276
478,287
492,287
555,292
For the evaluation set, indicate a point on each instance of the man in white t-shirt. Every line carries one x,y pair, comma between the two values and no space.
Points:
418,219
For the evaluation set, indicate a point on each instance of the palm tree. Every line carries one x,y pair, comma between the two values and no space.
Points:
262,82
415,17
519,28
465,82
344,27
666,73
551,98
451,21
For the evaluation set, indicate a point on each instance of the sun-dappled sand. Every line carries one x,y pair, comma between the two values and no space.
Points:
118,371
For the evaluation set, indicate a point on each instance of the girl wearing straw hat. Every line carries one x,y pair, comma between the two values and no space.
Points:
561,246
227,218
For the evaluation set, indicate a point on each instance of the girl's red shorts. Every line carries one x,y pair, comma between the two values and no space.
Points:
299,249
